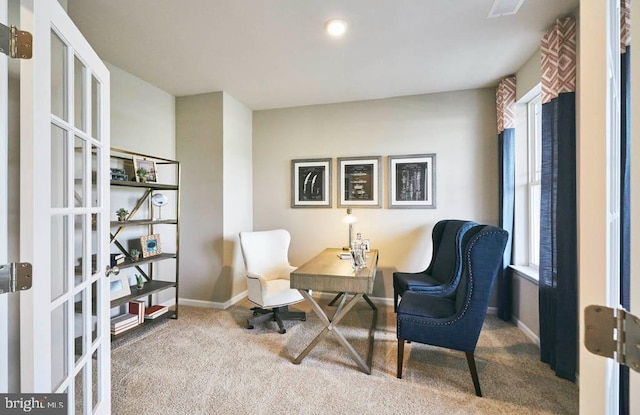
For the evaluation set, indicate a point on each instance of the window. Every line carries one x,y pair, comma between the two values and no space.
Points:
534,142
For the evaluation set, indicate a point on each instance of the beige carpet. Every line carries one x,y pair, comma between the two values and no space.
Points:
207,362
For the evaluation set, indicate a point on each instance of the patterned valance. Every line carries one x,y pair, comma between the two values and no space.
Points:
625,24
559,59
506,104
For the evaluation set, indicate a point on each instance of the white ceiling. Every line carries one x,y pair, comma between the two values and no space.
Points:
274,53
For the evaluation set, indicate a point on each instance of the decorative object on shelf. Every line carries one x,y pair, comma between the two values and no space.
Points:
159,200
311,183
359,181
350,220
119,286
139,281
412,181
150,245
122,214
119,174
145,170
135,254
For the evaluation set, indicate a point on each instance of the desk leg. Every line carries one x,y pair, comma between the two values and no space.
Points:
330,325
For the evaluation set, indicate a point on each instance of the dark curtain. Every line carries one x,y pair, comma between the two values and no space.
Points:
558,297
625,211
507,158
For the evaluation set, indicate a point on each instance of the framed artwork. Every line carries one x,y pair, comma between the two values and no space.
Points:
119,286
412,181
149,167
150,245
311,183
359,183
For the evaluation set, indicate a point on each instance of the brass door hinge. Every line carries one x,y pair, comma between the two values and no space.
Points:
15,277
613,333
15,43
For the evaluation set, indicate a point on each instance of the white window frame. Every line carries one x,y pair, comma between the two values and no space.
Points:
534,169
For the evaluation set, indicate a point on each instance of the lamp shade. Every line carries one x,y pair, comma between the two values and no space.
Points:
349,218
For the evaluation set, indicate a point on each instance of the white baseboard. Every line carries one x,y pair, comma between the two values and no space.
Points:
527,331
213,304
492,310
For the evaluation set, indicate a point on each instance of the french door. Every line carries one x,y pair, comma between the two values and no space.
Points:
4,237
64,212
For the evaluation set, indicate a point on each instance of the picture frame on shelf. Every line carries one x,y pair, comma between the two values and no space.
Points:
149,167
150,245
360,181
412,181
311,183
119,286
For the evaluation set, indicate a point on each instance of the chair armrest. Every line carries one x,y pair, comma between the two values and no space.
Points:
253,276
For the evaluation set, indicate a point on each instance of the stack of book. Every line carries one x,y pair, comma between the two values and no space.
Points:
154,311
137,307
123,322
117,259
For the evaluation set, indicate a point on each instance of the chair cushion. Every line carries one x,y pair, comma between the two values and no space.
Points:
415,281
278,293
426,306
445,260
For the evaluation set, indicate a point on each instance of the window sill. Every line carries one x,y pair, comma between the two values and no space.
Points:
528,273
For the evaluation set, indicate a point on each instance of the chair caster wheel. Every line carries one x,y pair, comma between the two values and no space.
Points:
283,331
249,326
304,319
255,313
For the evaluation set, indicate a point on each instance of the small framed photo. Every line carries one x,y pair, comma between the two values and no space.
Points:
311,183
150,245
360,181
412,181
119,286
145,170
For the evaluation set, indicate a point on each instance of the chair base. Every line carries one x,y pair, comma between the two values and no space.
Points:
470,361
277,314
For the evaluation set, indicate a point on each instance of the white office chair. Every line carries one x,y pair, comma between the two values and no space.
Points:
266,260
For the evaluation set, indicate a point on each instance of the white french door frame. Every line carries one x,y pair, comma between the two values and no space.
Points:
634,399
4,196
80,211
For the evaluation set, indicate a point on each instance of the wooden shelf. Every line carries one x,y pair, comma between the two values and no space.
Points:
141,222
169,314
155,186
150,287
160,257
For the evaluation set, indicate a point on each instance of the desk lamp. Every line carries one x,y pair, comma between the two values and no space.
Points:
350,220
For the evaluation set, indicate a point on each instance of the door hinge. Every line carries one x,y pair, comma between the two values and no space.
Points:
15,277
613,333
15,43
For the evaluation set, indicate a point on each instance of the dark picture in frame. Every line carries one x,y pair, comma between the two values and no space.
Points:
412,181
360,181
311,183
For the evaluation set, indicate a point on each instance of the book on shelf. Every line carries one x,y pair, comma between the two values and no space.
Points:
137,307
124,328
123,320
117,259
154,311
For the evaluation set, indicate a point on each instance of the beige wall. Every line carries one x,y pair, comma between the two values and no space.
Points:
214,135
199,148
529,75
143,121
460,127
238,184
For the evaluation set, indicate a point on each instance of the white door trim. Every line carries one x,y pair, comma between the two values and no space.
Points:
4,196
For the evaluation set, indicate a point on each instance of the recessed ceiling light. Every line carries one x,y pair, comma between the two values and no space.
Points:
336,27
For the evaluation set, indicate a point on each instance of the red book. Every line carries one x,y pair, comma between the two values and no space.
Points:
137,307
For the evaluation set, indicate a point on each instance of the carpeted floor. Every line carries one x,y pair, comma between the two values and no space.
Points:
207,362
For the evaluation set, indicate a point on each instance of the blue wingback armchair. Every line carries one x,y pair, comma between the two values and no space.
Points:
443,274
454,322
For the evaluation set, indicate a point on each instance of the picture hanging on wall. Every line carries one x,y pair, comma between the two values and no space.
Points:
412,181
311,183
359,183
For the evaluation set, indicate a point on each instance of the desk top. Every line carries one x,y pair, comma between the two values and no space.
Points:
328,273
